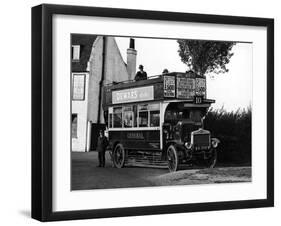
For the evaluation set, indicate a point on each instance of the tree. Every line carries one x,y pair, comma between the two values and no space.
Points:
205,56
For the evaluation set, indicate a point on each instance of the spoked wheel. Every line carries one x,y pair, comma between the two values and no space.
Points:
119,156
212,160
172,158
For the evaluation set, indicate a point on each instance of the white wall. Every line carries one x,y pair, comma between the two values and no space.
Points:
15,132
115,70
95,69
80,108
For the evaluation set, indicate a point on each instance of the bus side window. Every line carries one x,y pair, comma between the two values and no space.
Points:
143,115
143,119
154,112
154,118
117,117
110,121
135,112
196,115
128,116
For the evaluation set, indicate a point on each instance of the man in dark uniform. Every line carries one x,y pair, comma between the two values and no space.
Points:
165,71
101,148
141,74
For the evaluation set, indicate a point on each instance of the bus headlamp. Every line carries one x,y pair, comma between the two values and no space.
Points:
188,145
215,142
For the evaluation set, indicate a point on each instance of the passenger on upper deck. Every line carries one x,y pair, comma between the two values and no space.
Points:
165,71
141,74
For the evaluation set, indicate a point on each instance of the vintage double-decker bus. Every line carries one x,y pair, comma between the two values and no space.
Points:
160,119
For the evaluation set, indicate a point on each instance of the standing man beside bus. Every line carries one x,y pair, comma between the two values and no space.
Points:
141,74
101,148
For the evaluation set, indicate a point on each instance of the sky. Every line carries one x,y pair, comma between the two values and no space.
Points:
231,90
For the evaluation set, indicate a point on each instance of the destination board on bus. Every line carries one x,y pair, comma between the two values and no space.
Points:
169,86
185,87
200,89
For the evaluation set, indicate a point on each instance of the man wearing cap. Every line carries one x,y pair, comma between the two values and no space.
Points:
141,74
165,71
101,148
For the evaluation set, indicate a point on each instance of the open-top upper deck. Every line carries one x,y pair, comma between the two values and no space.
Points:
175,86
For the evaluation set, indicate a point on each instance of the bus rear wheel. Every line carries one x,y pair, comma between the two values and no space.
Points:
119,156
172,158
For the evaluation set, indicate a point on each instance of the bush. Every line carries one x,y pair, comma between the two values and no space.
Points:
234,130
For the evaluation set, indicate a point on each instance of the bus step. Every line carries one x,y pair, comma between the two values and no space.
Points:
146,162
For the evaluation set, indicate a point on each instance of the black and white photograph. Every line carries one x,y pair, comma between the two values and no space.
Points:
159,112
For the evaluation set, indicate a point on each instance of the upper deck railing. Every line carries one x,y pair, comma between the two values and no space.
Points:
132,81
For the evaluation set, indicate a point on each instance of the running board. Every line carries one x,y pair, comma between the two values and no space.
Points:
146,162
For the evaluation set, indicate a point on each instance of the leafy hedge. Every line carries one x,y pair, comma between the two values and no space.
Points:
233,129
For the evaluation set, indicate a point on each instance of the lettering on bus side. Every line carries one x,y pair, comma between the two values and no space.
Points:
126,95
131,95
135,135
200,87
169,86
198,99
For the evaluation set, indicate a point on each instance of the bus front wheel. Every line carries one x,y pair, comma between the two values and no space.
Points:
172,158
119,156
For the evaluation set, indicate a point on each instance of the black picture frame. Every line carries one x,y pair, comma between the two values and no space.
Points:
42,111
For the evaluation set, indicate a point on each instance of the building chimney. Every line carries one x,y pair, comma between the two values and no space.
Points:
131,59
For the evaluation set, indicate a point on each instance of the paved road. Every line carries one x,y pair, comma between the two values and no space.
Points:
85,174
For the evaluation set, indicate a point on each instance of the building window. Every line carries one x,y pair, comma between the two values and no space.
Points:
76,52
74,120
78,90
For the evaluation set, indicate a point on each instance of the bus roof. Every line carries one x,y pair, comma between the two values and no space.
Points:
170,86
